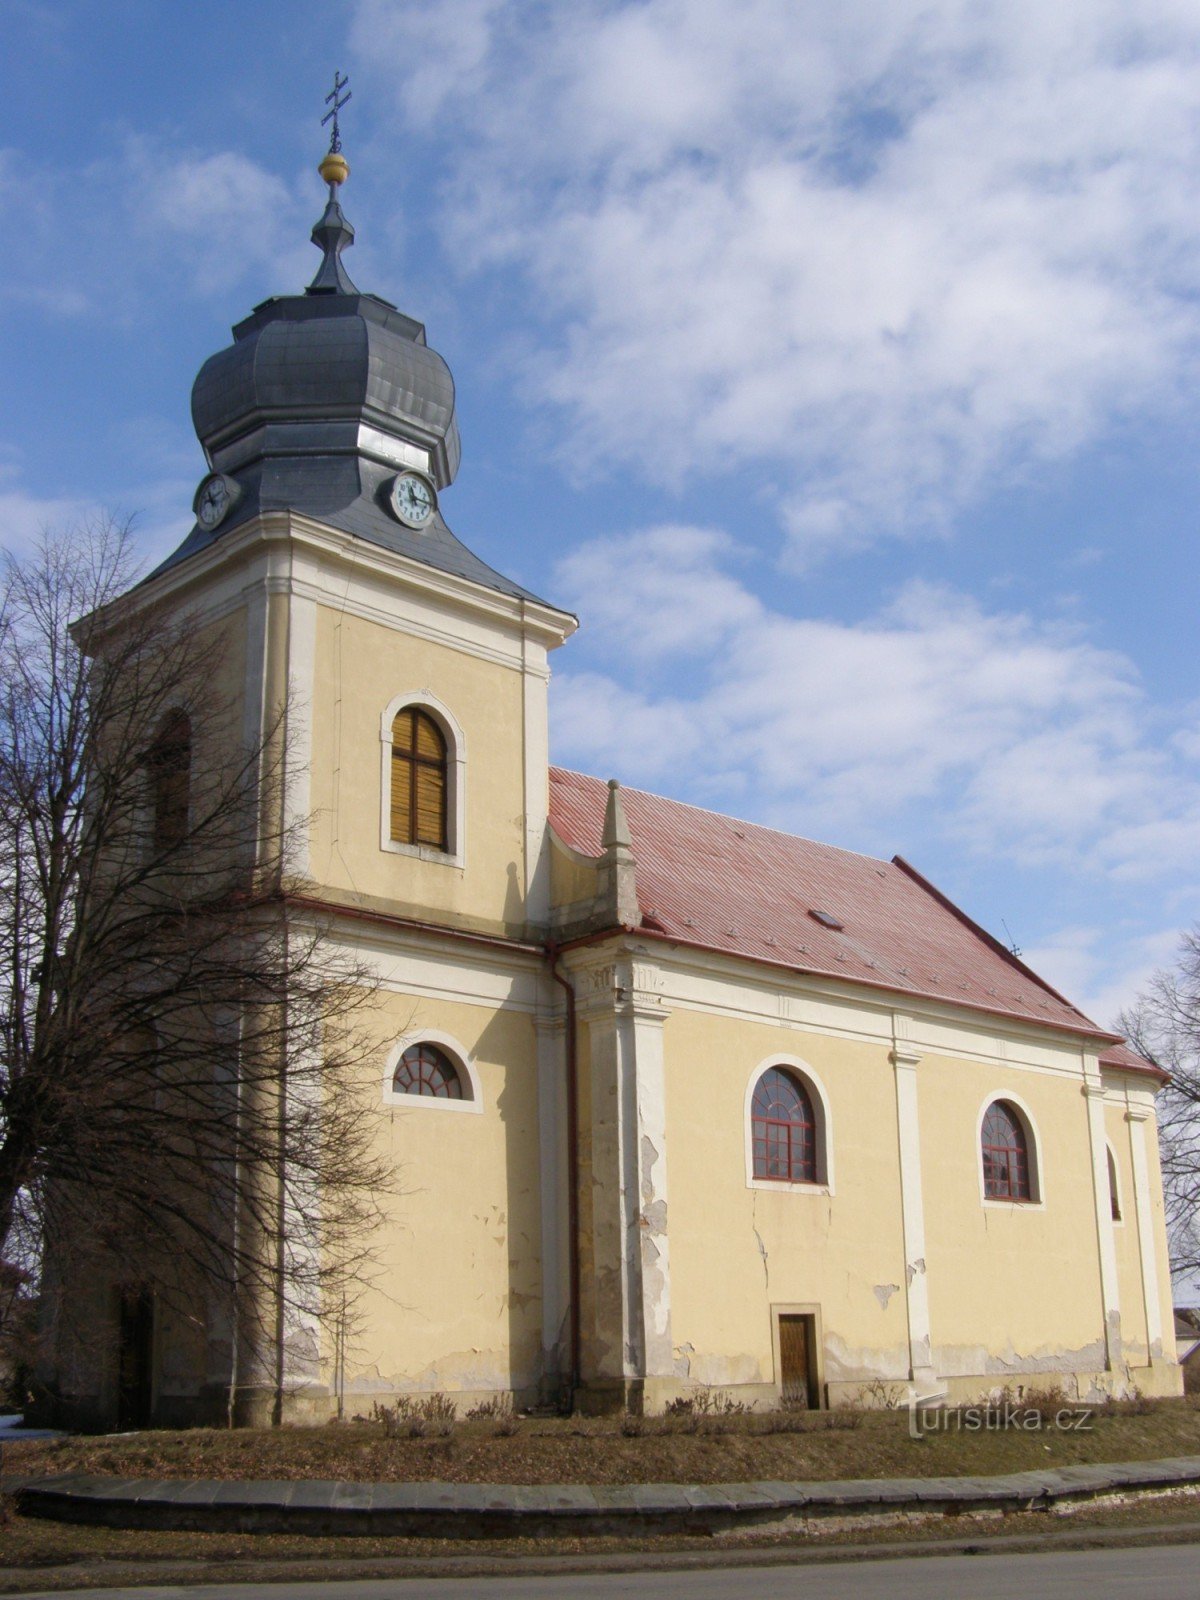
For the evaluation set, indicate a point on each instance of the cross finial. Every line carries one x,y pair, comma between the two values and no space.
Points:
338,100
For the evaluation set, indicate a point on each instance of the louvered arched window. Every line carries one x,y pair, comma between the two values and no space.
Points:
1004,1148
784,1128
418,780
170,764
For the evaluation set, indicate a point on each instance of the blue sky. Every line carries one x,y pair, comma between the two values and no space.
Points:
837,365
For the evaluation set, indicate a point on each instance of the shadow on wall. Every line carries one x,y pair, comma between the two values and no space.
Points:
513,1218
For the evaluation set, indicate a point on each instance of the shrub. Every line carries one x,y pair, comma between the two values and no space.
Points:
880,1394
495,1408
434,1414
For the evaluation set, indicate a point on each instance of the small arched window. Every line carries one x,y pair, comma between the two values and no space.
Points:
1114,1194
1004,1147
419,787
783,1128
424,1069
170,763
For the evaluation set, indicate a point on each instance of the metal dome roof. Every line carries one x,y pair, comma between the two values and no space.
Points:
319,401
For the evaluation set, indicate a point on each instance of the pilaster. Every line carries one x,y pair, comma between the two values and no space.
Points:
1138,1115
1093,1090
905,1060
553,1174
627,1331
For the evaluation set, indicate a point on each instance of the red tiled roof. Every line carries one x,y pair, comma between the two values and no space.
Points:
1121,1055
713,882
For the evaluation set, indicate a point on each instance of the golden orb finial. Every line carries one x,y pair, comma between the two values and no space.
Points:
334,168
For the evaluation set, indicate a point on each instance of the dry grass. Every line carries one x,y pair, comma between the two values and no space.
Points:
683,1448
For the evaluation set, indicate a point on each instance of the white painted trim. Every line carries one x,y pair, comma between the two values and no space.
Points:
456,780
535,716
1106,1245
718,983
329,546
552,1178
1139,1114
1033,1142
820,1100
429,1102
297,750
905,1061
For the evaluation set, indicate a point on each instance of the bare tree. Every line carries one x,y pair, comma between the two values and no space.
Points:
181,1100
1164,1025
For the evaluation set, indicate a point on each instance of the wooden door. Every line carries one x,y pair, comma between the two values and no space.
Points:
797,1360
135,1358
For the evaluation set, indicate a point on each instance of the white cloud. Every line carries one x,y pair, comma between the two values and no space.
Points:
1018,736
234,216
158,504
1101,969
893,251
145,224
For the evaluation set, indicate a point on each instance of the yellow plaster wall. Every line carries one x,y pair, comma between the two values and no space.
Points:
360,666
457,1302
1011,1286
736,1250
572,879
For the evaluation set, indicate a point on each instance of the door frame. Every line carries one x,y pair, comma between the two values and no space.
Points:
818,1397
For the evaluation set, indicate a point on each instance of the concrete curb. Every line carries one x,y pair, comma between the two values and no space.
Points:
486,1510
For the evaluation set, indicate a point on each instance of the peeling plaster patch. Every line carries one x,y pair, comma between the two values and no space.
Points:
913,1268
683,1360
884,1291
654,1216
649,1157
859,1364
972,1361
725,1372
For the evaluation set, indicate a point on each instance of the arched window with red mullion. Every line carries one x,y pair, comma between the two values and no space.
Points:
783,1129
424,1069
1004,1149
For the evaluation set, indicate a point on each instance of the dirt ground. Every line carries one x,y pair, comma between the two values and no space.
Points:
685,1449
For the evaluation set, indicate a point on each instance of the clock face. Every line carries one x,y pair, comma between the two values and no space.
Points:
213,499
412,499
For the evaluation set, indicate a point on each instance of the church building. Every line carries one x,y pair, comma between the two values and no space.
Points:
680,1101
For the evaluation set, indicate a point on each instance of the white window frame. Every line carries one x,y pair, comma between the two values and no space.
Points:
824,1129
461,1061
1033,1147
456,758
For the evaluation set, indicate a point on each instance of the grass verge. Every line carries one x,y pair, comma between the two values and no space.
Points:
686,1448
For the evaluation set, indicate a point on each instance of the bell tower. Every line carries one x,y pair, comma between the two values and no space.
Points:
329,429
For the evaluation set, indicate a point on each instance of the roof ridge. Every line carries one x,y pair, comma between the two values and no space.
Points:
725,816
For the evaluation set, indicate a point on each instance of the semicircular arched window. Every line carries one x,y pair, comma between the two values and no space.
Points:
424,1069
1004,1148
419,787
784,1128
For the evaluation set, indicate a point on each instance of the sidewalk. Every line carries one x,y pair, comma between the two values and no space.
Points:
467,1511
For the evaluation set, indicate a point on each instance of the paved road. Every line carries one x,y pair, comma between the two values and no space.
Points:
1166,1573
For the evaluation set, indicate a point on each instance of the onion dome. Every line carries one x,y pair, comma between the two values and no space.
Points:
322,400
